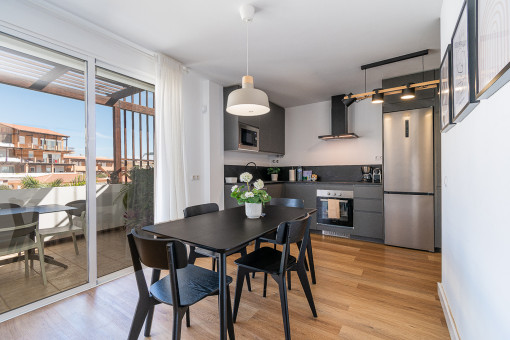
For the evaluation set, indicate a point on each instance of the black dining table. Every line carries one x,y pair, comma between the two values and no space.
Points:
41,209
224,233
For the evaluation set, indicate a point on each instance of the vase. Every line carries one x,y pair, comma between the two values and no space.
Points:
274,177
253,210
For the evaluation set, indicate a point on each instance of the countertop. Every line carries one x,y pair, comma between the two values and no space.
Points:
312,183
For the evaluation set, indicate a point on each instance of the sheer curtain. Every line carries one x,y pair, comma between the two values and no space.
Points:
170,187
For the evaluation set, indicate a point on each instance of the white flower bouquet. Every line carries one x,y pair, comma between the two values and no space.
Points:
255,195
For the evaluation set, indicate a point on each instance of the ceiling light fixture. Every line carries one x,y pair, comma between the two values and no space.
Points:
377,98
247,101
408,93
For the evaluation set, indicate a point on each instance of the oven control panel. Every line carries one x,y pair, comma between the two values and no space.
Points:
335,193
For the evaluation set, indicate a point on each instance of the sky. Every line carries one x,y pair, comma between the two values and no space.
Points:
66,116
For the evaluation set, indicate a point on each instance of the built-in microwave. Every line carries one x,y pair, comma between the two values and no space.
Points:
248,137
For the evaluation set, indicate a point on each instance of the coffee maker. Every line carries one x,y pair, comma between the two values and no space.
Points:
377,176
367,173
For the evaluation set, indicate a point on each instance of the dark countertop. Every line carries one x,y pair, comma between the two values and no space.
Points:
310,182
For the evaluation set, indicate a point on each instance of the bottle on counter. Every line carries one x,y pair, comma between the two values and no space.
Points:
299,174
292,175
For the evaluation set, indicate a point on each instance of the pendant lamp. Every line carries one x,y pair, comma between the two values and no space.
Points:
247,101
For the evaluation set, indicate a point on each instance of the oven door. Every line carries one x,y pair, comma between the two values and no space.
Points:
248,137
335,211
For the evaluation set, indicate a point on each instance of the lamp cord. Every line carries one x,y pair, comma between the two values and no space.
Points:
247,48
423,68
365,80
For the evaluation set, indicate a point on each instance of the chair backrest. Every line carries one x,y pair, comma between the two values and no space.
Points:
157,253
292,232
9,205
288,202
80,205
201,209
18,225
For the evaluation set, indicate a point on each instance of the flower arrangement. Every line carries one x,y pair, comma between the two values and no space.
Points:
255,195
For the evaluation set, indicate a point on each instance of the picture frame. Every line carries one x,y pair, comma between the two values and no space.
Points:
492,27
445,91
463,64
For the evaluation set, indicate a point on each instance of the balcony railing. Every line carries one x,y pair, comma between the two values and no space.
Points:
40,147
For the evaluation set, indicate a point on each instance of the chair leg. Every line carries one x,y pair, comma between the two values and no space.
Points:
306,288
257,246
230,324
41,260
248,281
213,264
150,314
142,308
310,258
177,324
265,285
188,319
299,247
192,255
241,273
75,244
289,280
26,263
285,305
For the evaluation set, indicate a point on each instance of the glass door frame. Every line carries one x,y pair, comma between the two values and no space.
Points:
90,153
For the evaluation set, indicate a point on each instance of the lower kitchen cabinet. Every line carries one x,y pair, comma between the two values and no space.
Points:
368,212
368,224
275,190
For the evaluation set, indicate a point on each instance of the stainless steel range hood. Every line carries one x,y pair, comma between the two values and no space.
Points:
340,119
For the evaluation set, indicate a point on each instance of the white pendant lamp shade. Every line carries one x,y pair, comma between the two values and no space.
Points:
247,101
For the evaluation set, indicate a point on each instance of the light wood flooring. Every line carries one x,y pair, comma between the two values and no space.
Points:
363,291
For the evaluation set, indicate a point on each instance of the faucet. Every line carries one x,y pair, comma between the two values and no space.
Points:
246,166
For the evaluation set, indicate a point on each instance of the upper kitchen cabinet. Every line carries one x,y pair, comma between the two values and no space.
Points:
271,127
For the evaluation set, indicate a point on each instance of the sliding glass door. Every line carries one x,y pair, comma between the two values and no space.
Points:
43,233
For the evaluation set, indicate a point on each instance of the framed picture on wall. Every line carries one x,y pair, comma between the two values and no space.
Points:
445,97
493,45
463,67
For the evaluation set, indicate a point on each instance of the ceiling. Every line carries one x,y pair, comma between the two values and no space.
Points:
300,51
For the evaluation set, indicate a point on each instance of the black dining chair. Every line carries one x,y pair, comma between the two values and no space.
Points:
277,264
194,252
184,286
271,236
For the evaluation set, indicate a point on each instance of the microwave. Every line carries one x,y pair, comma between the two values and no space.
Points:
248,137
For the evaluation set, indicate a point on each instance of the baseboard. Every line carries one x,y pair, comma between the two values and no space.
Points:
450,321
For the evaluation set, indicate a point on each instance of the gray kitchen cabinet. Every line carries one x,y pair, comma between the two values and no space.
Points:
271,127
368,212
229,201
272,130
275,190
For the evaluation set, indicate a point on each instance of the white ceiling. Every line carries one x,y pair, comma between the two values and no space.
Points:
301,51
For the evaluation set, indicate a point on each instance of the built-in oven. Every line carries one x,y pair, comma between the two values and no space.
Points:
335,208
248,137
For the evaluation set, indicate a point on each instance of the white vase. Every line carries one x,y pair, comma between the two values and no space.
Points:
274,177
253,210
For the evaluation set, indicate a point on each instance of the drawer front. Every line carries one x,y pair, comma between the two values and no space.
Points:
363,204
368,224
368,191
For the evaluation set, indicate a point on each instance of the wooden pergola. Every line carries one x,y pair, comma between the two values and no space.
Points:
38,74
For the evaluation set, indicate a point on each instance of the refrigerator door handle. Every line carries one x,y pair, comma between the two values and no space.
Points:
409,193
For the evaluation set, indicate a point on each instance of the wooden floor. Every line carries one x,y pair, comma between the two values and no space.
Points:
363,291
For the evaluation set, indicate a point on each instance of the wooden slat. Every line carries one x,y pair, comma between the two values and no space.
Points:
418,86
117,139
140,137
125,146
147,126
133,135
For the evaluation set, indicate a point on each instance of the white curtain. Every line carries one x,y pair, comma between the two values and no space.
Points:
170,187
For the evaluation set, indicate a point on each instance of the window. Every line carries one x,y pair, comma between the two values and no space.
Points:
21,139
34,140
30,154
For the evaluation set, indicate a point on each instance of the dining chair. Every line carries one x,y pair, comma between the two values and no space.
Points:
194,252
185,285
277,264
19,233
77,224
271,236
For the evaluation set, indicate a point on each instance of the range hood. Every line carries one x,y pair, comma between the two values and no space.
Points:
340,119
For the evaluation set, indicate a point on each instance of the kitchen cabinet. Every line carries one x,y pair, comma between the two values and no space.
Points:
275,190
368,212
306,192
271,127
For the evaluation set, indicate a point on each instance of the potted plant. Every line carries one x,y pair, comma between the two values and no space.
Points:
274,173
252,198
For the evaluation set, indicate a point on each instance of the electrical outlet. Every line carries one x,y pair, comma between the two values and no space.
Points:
195,178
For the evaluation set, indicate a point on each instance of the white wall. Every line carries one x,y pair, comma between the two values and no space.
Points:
475,224
304,123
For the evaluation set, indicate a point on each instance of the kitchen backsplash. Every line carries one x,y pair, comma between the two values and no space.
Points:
327,173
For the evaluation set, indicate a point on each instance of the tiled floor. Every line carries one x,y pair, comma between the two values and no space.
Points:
17,290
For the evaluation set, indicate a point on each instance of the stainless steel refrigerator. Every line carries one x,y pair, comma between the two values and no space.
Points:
408,171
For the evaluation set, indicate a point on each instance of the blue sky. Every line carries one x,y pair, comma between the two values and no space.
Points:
66,116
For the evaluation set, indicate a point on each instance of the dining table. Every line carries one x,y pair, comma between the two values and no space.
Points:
224,233
41,209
